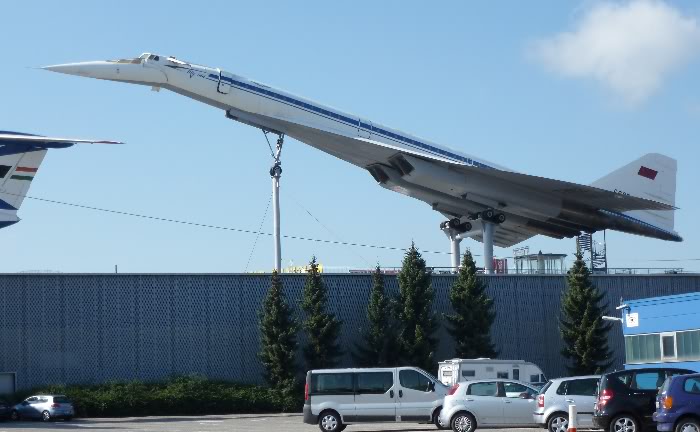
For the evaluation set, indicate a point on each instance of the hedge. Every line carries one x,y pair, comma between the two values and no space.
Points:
189,395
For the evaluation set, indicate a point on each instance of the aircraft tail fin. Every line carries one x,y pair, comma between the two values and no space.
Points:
652,176
17,170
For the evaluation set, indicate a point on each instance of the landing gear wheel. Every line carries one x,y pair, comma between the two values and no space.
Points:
624,423
466,226
454,223
501,218
329,421
558,423
488,214
463,422
276,170
437,422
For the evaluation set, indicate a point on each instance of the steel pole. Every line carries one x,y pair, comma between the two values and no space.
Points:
488,229
455,252
276,219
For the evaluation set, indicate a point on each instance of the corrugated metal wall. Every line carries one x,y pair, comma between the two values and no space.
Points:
94,328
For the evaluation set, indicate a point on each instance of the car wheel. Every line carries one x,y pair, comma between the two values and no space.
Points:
437,422
45,416
463,422
15,416
688,425
329,421
559,422
624,423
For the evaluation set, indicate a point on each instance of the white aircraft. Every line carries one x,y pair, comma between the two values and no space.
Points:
20,157
638,198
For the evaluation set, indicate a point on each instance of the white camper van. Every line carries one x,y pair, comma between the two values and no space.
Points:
451,372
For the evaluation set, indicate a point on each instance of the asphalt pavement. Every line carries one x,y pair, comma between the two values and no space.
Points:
215,423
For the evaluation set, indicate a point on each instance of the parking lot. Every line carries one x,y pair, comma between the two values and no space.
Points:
220,423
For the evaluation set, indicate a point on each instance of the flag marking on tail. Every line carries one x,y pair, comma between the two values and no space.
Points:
647,172
27,169
27,173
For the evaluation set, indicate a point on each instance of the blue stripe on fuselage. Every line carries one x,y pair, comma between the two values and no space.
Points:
346,120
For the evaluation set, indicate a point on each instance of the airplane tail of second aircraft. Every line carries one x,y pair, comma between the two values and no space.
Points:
17,171
652,176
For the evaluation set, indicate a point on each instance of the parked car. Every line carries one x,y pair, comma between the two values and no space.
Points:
552,411
678,404
44,407
335,398
488,403
5,409
626,399
451,372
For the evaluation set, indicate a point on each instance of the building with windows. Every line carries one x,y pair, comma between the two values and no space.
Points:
663,331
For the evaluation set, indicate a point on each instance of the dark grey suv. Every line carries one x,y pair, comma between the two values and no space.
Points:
627,399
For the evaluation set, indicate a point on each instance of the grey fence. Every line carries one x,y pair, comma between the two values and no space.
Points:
83,328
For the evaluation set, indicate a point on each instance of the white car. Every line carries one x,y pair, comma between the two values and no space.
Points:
495,402
45,407
553,402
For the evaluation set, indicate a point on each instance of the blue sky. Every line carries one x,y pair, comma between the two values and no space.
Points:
470,75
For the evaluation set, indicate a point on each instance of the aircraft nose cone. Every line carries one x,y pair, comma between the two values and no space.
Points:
129,71
80,69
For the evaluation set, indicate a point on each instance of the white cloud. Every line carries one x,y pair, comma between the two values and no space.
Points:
628,47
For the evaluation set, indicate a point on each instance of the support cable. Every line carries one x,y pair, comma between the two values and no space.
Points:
337,237
219,227
257,236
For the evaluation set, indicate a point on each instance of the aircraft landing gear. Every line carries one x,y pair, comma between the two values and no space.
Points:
457,225
455,229
492,216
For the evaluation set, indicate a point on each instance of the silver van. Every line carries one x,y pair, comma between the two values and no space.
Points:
552,410
335,398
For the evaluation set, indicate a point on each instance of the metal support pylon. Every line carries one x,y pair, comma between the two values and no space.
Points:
488,231
455,239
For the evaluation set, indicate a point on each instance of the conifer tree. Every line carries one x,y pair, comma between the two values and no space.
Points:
583,331
470,325
278,338
322,327
379,339
414,313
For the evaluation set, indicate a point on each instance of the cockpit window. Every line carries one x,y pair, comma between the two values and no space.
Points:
139,60
128,61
